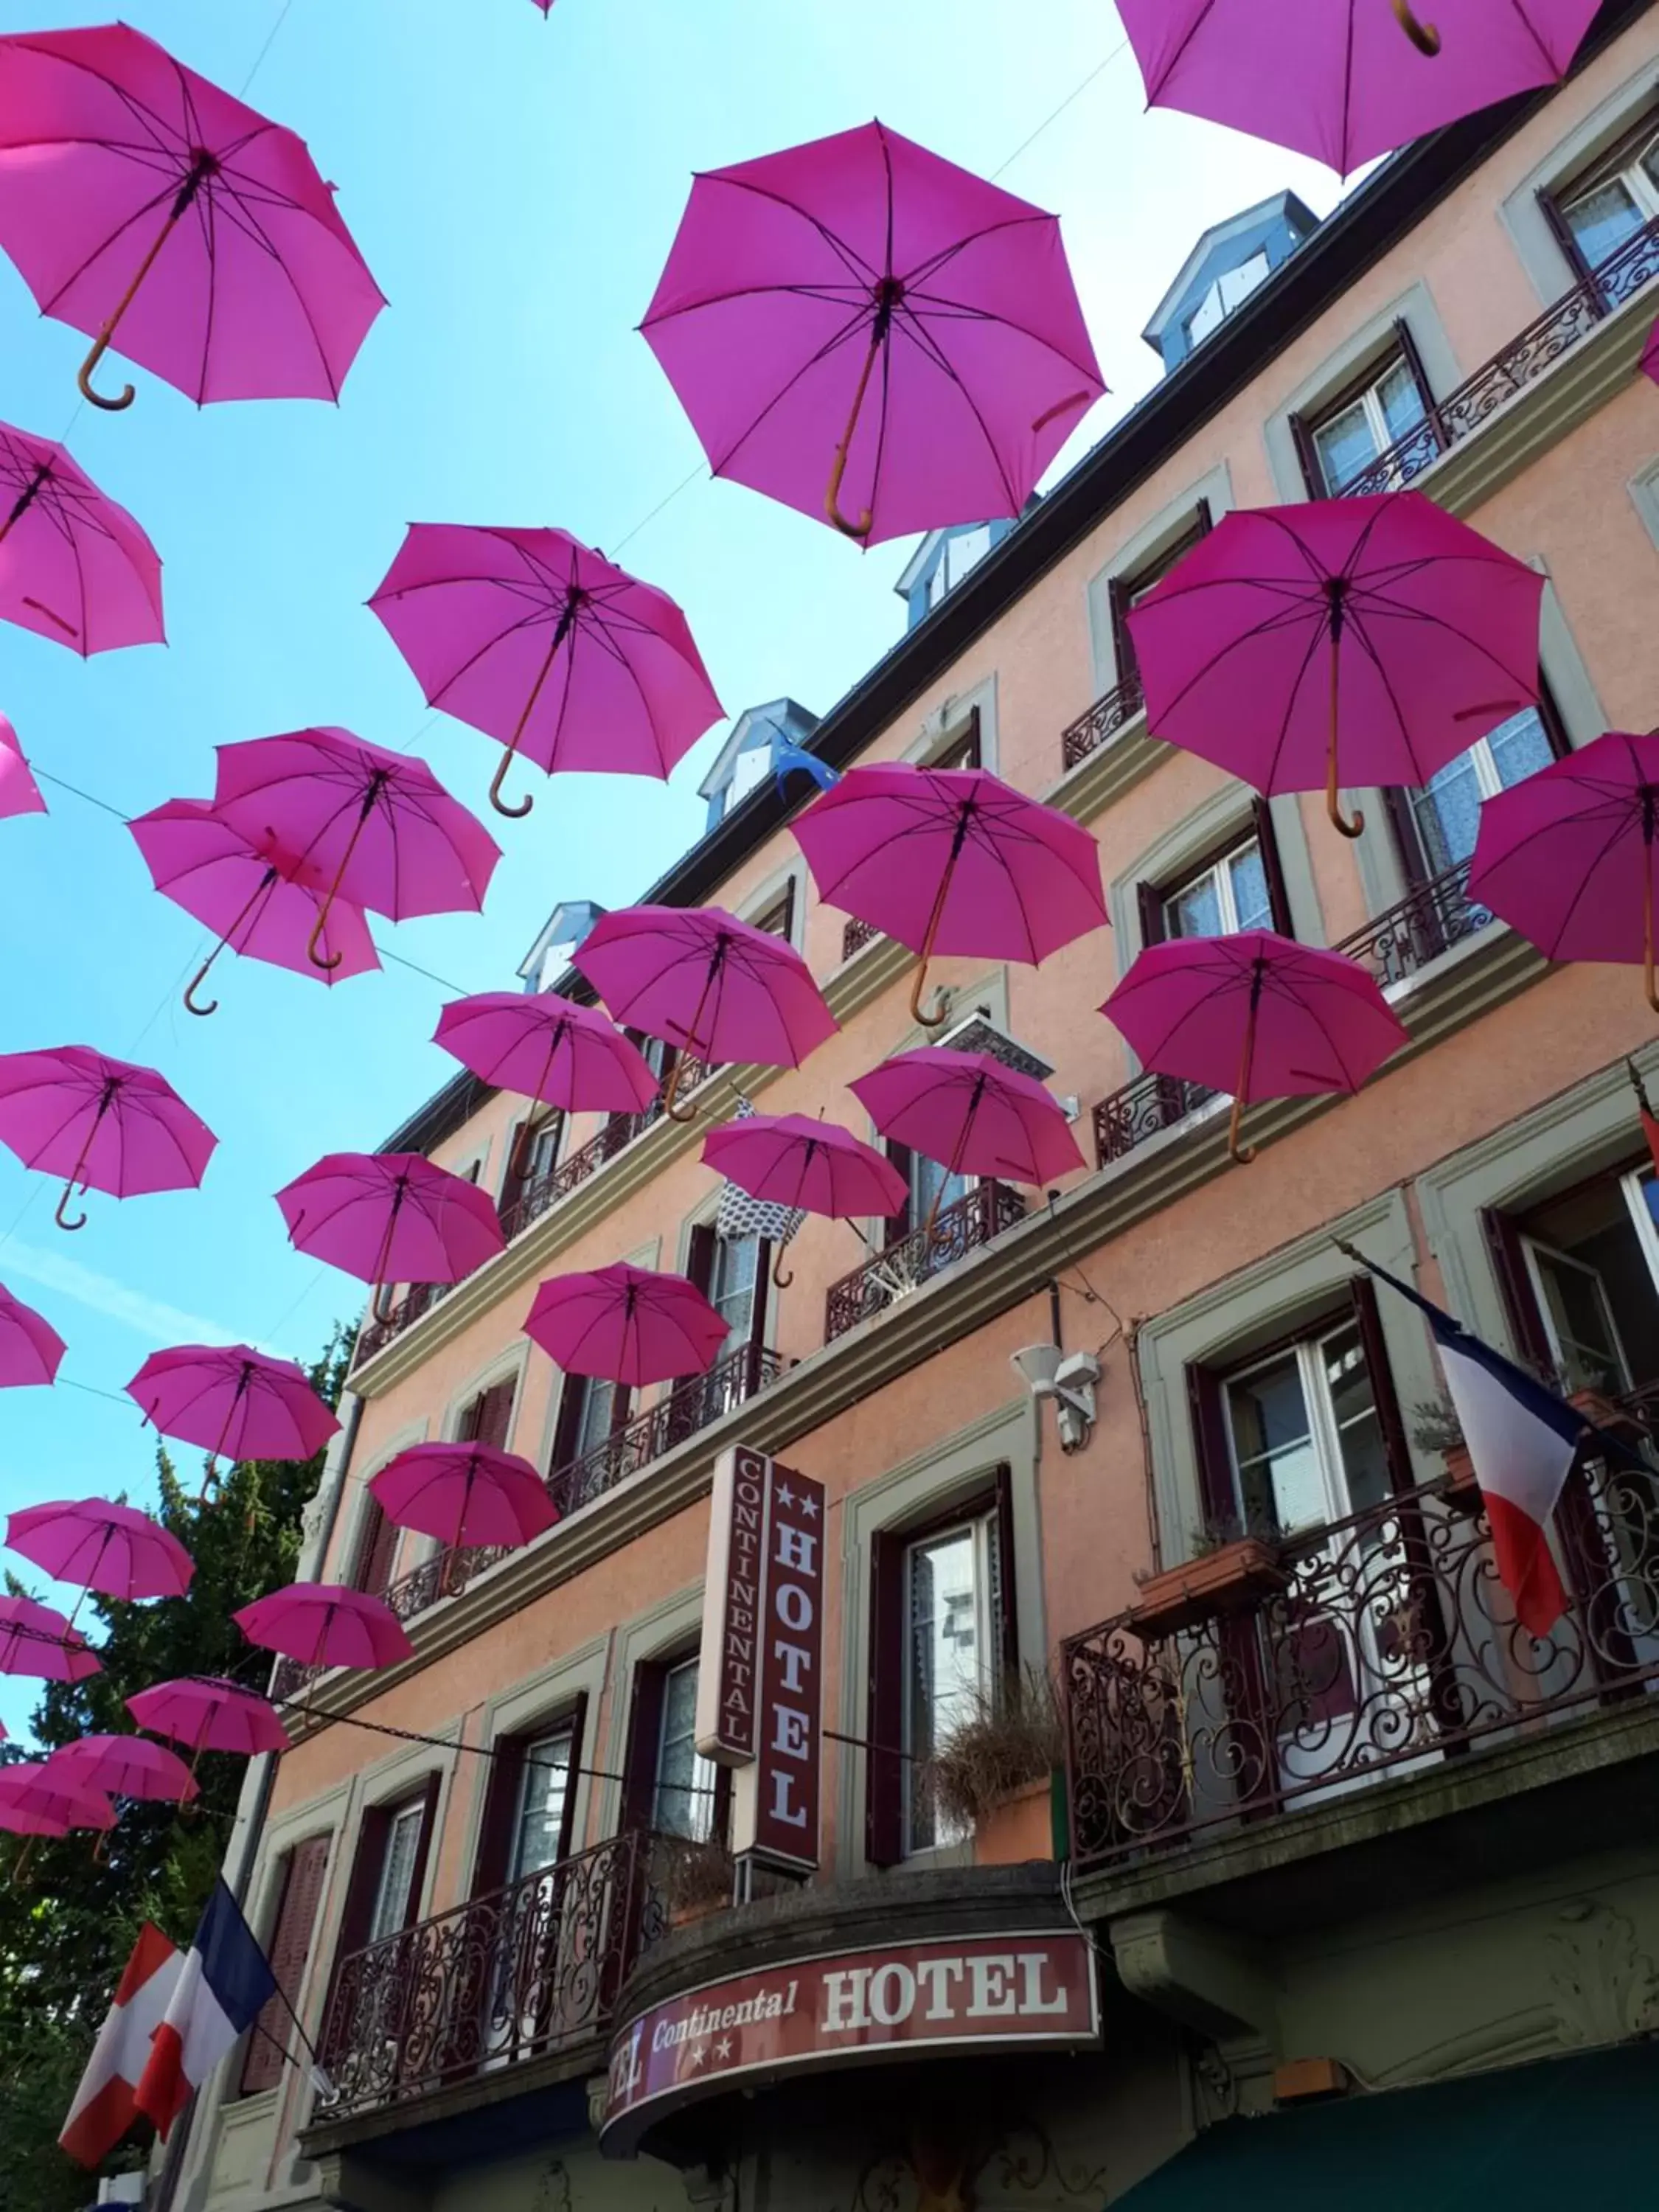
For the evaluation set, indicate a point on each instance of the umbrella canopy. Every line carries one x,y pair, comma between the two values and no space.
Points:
627,1325
873,335
1568,856
101,1545
257,899
37,1639
101,1124
716,988
535,639
1384,618
376,827
139,200
208,1713
30,1347
231,1399
1336,79
1257,1014
465,1493
971,1114
391,1218
809,1166
1650,355
74,565
19,791
40,1798
549,1048
952,860
125,1766
325,1624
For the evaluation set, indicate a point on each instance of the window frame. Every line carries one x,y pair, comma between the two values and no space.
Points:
1154,894
1614,160
1399,349
496,1848
1410,849
289,1948
984,1528
1307,1349
642,1760
1124,591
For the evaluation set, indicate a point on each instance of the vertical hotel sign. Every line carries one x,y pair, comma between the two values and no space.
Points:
761,1665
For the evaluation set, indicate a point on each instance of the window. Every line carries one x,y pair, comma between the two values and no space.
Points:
682,1802
1589,1274
394,1891
376,1551
529,1800
1228,289
1306,1434
388,1870
1126,592
488,1419
299,1892
747,770
539,1829
962,749
1438,824
732,1284
778,920
533,1153
956,557
1365,422
1230,894
952,1660
1608,203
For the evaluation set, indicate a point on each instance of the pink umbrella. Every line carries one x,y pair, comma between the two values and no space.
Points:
134,195
376,827
716,988
465,1493
1334,78
208,1713
257,899
805,1166
971,1114
792,277
627,1325
229,1399
73,565
547,1048
37,1798
536,639
37,1639
30,1347
1386,616
391,1218
19,791
952,860
1568,856
1260,1014
114,1549
1650,355
125,1766
103,1124
325,1624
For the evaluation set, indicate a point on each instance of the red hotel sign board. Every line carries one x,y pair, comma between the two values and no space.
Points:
1000,1992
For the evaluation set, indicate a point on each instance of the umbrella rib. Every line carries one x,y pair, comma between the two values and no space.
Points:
948,369
49,306
851,260
1621,830
828,347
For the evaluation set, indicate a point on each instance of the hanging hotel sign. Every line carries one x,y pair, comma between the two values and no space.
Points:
973,1992
761,1664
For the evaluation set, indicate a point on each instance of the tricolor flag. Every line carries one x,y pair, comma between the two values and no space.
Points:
1523,1440
221,1991
104,2104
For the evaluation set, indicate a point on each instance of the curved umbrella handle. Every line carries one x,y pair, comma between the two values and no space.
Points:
781,1282
515,813
317,959
859,530
941,1004
1424,36
200,977
686,1115
59,1216
1333,781
84,377
1243,1154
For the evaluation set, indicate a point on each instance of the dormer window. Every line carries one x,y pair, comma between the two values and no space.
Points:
1229,290
956,556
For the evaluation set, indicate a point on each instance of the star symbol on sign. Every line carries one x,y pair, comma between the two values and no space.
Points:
809,1509
723,2048
786,1496
699,2053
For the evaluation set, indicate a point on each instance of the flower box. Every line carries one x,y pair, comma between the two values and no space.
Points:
1019,1829
1460,1488
1604,1413
1231,1579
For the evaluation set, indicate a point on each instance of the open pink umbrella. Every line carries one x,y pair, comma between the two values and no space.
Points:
805,1166
19,791
39,1798
857,320
627,1325
101,1124
102,1545
715,987
1650,355
125,1766
74,565
325,1624
465,1493
391,1218
208,1713
258,900
1569,856
37,1639
30,1347
537,640
137,198
377,828
1381,622
1336,79
952,860
1256,1013
547,1048
232,1400
971,1114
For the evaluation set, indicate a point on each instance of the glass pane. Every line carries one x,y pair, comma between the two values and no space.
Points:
599,1409
1249,880
1604,219
1279,1468
397,1872
948,1665
1207,316
963,553
732,1288
541,1804
1353,1412
928,1180
1238,283
1400,399
1519,747
1344,445
685,1803
1195,911
1448,813
1577,1304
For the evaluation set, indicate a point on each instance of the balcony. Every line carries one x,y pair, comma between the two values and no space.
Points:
529,1973
855,935
1381,1645
1143,1108
403,1312
1104,720
974,1219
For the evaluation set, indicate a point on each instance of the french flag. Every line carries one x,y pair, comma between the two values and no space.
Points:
1522,1441
106,2103
221,1991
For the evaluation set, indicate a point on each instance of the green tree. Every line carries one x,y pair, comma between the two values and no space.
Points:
67,1927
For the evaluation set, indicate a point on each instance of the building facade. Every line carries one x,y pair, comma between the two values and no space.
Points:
1339,1838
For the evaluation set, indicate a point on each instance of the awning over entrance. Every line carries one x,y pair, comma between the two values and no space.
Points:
1543,2138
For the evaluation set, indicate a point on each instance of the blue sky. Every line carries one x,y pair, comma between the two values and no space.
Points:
514,184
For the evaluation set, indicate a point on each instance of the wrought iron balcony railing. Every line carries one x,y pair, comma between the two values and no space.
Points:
974,1219
855,935
1143,1108
1429,920
417,1299
1262,1676
534,1969
1104,720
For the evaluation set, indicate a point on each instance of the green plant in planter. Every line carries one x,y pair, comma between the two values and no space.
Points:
1435,1426
697,1874
1013,1735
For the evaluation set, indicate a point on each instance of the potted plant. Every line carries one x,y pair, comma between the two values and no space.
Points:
1229,1569
994,1771
696,1879
1435,1428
